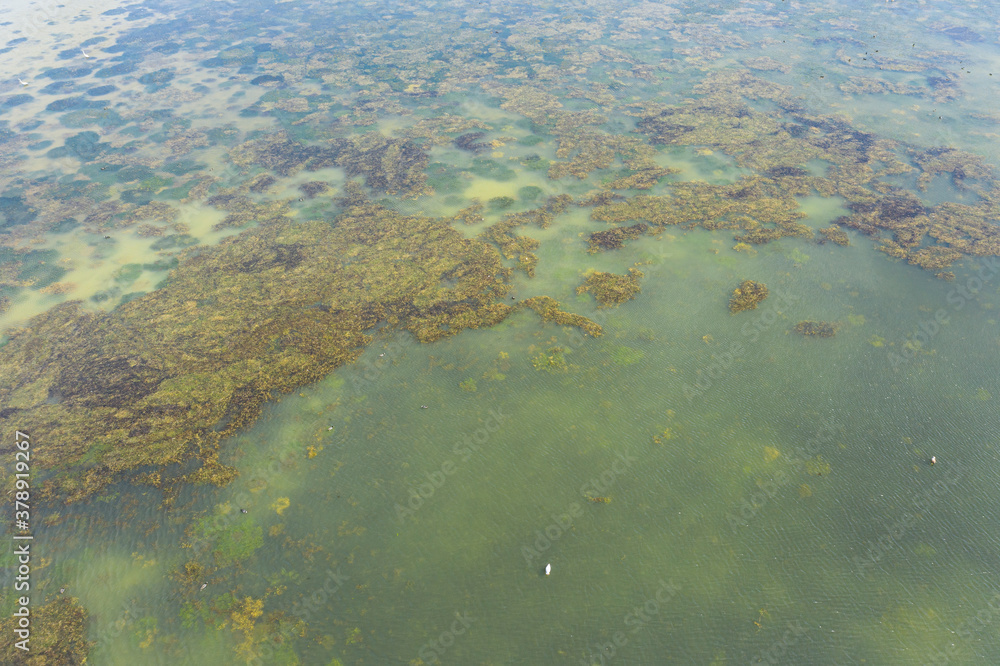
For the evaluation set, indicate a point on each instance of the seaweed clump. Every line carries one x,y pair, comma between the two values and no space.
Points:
960,164
747,296
244,211
522,247
610,289
548,309
551,360
723,120
394,166
261,183
58,635
471,142
748,205
313,188
822,329
162,379
615,238
834,234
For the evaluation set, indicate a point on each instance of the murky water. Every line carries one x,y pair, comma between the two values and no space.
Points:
708,487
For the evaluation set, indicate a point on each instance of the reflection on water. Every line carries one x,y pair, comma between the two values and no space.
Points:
335,326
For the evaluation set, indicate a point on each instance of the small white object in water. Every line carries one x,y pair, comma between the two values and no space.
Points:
84,53
548,569
203,586
933,460
23,83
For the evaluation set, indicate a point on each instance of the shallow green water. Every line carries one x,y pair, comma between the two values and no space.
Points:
708,488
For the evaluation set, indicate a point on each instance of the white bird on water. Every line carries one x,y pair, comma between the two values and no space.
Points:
23,83
548,569
85,54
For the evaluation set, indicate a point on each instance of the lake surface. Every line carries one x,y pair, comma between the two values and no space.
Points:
317,237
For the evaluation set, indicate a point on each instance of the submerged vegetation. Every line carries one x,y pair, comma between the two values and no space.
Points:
162,379
615,238
109,402
747,296
610,289
522,248
822,329
58,635
548,310
281,242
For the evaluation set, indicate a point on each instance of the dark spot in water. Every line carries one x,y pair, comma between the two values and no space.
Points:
72,103
102,90
156,80
169,48
471,142
57,73
59,88
15,100
267,78
116,70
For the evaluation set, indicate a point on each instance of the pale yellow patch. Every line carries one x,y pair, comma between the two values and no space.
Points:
280,505
817,466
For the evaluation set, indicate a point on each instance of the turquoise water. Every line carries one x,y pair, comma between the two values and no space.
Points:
708,487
